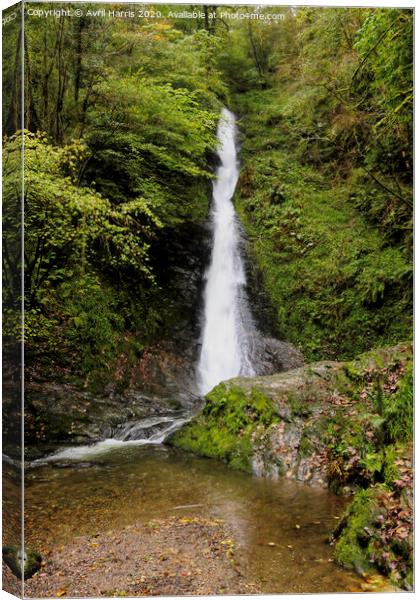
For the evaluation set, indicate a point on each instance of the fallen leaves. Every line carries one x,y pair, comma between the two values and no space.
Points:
198,558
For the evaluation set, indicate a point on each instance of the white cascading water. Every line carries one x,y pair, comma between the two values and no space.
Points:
151,430
226,337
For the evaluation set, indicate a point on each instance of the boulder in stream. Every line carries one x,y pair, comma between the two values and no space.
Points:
292,423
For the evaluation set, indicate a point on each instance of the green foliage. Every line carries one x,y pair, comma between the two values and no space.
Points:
65,224
399,409
298,406
337,290
158,149
384,271
306,446
384,377
74,241
363,444
353,457
375,529
11,69
120,121
374,533
94,324
120,126
389,468
384,43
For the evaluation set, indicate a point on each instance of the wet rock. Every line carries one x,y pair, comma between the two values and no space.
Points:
272,356
15,560
277,356
167,370
62,413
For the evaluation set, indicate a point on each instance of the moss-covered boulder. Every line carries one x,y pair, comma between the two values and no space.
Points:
326,423
270,426
225,429
17,559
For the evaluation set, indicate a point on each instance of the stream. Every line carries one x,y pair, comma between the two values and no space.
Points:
132,476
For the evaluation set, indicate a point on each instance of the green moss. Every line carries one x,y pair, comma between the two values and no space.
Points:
376,359
209,439
352,549
361,441
369,447
389,468
298,406
306,446
398,409
371,535
225,427
15,559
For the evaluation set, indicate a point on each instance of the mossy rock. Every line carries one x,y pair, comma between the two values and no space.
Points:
327,410
31,560
378,358
225,427
366,539
354,534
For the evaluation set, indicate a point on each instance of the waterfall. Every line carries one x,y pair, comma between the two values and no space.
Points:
229,334
227,329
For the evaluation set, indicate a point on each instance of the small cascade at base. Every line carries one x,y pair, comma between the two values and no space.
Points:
151,430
